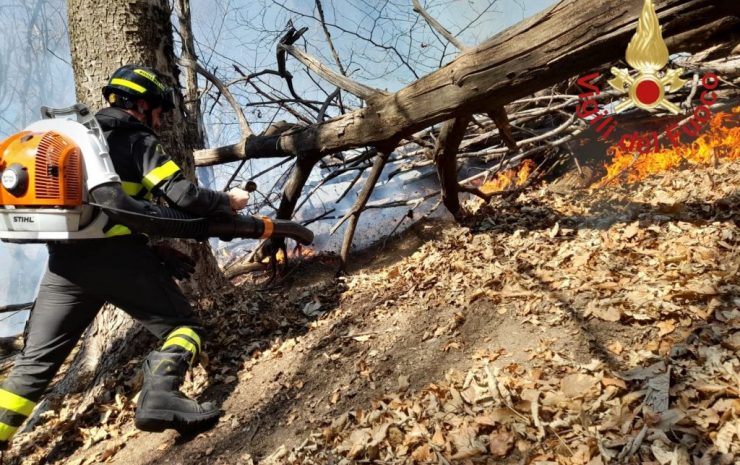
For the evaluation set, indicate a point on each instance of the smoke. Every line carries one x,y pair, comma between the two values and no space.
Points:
35,70
35,61
20,274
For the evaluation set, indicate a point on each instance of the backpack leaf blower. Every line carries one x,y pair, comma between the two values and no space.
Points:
58,184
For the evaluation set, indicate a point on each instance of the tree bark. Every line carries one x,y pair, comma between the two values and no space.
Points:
571,36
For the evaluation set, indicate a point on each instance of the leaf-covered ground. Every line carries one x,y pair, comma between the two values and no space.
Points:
593,327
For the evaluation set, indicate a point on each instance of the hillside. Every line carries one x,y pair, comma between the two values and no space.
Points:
554,328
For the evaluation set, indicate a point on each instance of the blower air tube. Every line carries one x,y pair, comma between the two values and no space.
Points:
147,218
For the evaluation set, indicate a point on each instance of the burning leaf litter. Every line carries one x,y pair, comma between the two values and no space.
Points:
721,141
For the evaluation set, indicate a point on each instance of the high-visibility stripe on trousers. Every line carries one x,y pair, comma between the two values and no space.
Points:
184,338
14,410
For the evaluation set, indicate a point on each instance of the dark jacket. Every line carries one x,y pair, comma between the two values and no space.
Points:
147,171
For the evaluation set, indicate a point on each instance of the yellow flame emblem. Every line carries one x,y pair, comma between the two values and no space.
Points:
648,54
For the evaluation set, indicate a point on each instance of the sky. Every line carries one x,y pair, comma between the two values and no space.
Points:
381,43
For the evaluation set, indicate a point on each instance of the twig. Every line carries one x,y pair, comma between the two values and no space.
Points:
325,106
334,53
246,131
16,307
276,165
498,115
402,203
694,86
633,445
324,215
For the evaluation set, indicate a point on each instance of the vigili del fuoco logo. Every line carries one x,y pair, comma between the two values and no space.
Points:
647,87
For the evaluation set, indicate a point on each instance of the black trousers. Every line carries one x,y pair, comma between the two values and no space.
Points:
80,278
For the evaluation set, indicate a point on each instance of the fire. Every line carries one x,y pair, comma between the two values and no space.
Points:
298,252
303,251
720,141
516,176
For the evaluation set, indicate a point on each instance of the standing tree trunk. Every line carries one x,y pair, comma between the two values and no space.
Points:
105,35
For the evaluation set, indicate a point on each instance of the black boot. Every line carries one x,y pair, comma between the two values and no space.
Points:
161,405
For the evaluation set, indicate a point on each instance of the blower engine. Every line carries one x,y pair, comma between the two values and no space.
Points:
58,184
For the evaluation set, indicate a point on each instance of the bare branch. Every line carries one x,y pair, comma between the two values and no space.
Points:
334,53
359,206
445,156
498,115
434,24
355,88
246,131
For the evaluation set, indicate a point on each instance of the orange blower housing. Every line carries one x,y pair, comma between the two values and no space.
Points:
51,168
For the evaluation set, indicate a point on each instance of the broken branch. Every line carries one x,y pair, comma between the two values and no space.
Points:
434,24
355,88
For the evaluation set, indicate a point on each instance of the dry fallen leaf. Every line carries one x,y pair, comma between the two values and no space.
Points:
423,453
438,439
403,382
615,347
631,231
614,382
725,440
605,312
666,327
466,443
577,384
500,443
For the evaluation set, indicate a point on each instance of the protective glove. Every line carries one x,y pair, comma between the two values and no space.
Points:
178,264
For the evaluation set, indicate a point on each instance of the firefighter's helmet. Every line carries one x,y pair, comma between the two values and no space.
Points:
132,82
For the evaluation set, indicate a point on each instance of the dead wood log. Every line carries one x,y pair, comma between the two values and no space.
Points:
571,36
445,157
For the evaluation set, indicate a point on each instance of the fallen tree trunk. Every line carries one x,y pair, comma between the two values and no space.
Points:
572,36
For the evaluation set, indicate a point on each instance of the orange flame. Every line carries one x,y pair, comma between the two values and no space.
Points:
297,252
720,141
516,176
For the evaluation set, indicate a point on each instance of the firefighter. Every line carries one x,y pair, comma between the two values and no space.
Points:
124,270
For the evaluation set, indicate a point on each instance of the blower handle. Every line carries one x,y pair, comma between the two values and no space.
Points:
79,110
